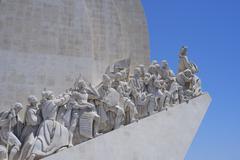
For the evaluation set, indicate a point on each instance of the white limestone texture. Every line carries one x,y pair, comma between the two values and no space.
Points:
47,43
166,135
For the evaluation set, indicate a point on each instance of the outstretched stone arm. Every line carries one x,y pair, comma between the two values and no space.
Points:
63,100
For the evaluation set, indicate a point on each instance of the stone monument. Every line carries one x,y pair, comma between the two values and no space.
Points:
84,68
140,109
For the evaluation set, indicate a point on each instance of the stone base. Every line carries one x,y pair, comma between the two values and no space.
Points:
164,136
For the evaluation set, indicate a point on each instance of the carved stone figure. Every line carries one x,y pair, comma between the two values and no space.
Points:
32,118
184,63
174,92
125,102
185,78
152,69
190,83
32,121
52,135
151,88
196,86
136,83
162,96
157,68
112,115
166,73
8,120
143,71
150,78
159,97
137,91
83,114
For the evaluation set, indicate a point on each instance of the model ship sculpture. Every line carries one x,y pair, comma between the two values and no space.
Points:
84,112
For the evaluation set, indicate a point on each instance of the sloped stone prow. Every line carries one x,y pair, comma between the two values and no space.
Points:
163,136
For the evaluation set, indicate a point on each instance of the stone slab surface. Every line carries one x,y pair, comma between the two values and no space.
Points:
48,43
163,136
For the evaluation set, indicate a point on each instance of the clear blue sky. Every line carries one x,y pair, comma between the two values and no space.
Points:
211,30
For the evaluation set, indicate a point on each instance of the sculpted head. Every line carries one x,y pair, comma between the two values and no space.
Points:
81,84
137,72
17,107
152,69
154,62
32,100
158,68
106,81
142,68
164,64
188,73
118,76
146,78
47,95
183,51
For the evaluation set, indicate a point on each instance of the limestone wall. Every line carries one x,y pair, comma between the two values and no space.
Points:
48,43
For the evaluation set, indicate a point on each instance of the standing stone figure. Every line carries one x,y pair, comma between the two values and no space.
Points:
166,73
8,120
125,102
137,92
175,92
142,71
32,119
83,114
52,135
152,89
196,86
112,115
